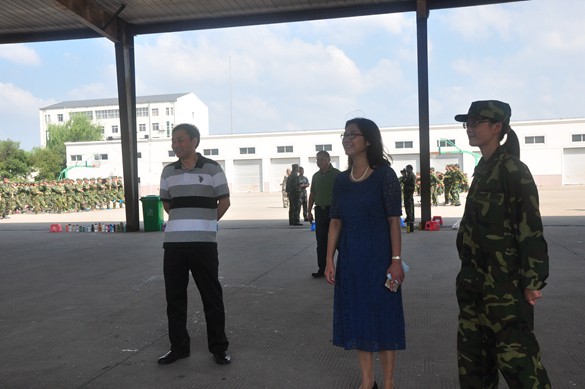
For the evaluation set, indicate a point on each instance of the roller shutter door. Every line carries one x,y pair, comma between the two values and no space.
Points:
312,168
247,175
278,168
574,166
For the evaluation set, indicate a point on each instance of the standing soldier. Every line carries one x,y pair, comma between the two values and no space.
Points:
78,197
434,184
304,184
4,193
293,190
504,260
69,194
448,182
408,185
457,180
284,194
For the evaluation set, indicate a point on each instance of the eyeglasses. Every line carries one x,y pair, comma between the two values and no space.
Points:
350,135
474,124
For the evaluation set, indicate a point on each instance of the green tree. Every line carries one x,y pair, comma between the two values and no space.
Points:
79,128
47,163
14,162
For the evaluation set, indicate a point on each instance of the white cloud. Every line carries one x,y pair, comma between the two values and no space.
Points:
94,90
18,102
477,23
20,54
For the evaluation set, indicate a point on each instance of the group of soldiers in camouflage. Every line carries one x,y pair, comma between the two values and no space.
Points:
296,191
451,184
60,196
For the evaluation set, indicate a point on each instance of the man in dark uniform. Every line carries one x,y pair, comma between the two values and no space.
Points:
408,185
293,189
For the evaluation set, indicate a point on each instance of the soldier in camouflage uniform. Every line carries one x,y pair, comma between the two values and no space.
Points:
284,194
293,190
4,195
304,184
434,184
448,184
504,260
457,178
408,190
121,196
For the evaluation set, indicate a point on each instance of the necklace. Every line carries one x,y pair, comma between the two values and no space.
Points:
362,177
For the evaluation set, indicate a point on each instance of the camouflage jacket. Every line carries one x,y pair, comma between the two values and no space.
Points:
500,239
292,185
409,183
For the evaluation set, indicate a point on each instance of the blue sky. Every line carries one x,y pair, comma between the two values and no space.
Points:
316,75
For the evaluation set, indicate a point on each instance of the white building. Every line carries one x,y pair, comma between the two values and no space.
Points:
155,115
554,150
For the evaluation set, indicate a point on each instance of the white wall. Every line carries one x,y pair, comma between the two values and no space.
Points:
544,161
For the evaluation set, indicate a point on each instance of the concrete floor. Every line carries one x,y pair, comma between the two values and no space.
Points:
87,310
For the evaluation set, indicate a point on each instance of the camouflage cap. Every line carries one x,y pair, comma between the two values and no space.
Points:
295,165
489,109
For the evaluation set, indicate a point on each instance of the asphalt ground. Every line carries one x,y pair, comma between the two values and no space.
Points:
87,310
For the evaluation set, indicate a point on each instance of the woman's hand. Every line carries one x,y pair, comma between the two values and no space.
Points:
396,271
330,273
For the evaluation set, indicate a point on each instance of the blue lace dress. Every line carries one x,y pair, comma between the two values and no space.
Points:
366,315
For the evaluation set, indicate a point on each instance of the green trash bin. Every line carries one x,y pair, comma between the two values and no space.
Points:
152,211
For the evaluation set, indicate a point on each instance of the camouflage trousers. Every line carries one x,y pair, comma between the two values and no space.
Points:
284,200
294,210
497,333
448,189
409,207
455,194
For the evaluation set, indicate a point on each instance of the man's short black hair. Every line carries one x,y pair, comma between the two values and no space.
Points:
325,153
190,129
409,167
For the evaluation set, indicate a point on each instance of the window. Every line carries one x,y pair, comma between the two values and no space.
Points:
446,143
171,153
155,112
142,112
529,140
578,137
114,129
88,113
168,111
139,155
168,126
284,149
404,145
323,148
47,118
142,127
155,127
59,117
104,157
103,129
76,158
247,150
211,152
172,111
108,114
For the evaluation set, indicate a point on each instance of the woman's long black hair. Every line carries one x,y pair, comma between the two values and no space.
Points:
375,152
512,143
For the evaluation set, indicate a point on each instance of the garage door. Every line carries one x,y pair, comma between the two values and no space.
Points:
278,168
247,175
399,162
573,166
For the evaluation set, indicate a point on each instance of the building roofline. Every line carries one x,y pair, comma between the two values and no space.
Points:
114,101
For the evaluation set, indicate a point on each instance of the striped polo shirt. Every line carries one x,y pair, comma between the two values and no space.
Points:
193,195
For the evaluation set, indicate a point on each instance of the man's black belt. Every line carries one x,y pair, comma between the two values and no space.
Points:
323,208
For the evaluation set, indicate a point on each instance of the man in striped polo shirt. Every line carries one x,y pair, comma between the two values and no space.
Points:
195,194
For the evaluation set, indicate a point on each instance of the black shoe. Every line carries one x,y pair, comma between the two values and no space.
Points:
318,274
222,357
171,356
297,224
375,385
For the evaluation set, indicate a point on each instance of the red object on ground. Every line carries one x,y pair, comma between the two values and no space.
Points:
56,228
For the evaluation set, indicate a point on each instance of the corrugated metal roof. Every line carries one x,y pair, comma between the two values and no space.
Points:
44,20
114,101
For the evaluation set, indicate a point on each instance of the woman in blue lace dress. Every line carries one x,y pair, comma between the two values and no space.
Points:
365,229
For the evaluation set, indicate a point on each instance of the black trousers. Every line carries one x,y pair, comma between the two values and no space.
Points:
322,234
203,264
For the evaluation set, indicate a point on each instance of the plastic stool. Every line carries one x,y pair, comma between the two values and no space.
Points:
401,222
432,226
56,228
439,218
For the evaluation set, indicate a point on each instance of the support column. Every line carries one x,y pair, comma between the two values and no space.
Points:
422,15
127,103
